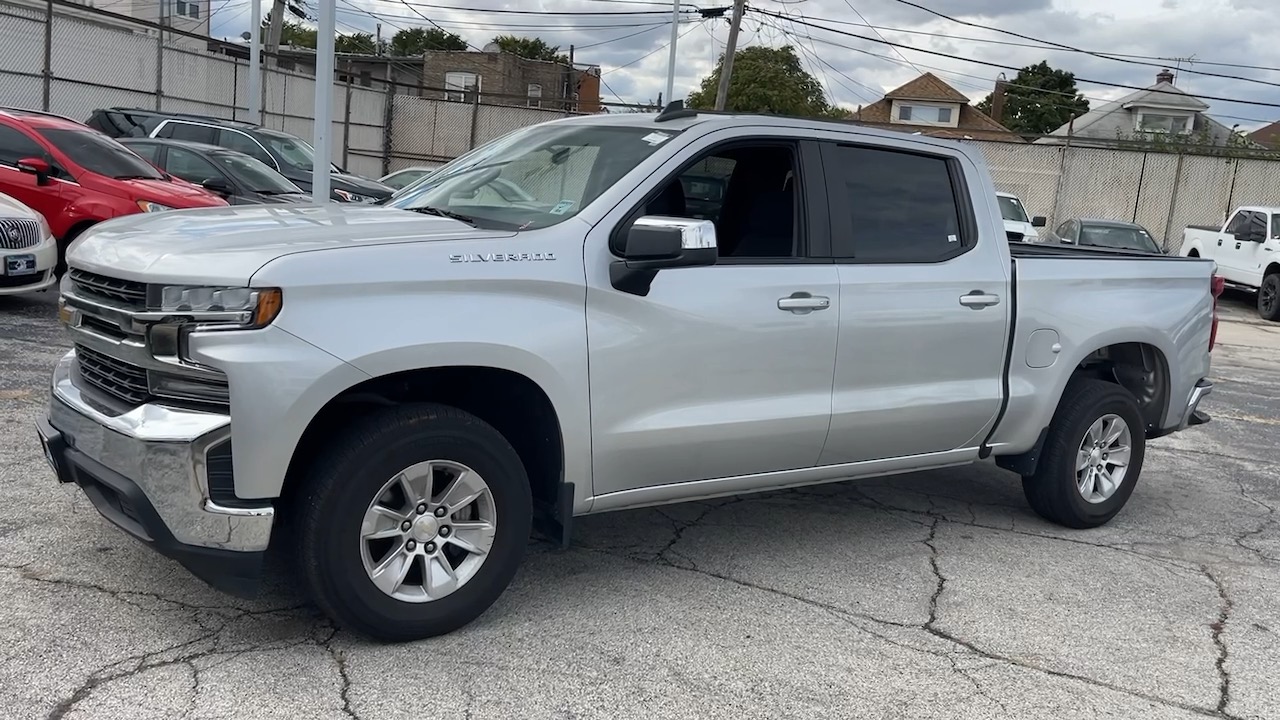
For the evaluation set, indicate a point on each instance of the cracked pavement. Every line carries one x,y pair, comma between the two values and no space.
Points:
929,595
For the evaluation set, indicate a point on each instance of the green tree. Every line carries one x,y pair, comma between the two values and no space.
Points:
292,33
1039,100
356,43
767,80
416,41
531,48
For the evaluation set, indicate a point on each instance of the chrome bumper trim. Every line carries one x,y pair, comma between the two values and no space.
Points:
162,450
1198,393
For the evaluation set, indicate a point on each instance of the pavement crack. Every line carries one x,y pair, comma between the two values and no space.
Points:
1219,627
340,660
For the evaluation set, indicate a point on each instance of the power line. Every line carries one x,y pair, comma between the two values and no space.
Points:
577,13
876,30
660,48
651,28
1070,48
937,53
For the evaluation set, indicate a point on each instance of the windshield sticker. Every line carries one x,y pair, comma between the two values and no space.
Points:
561,207
952,238
656,138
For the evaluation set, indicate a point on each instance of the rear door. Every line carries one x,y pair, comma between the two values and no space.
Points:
924,302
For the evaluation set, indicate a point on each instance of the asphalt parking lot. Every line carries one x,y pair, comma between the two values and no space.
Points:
933,595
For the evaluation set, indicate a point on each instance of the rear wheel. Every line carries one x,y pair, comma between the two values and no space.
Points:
1092,456
1269,298
414,522
1194,254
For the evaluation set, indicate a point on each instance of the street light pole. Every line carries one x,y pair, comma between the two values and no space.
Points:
671,57
320,137
255,62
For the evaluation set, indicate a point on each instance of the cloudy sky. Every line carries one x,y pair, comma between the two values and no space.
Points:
629,40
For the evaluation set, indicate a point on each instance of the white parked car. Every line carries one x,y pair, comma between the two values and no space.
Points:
1017,225
406,176
28,252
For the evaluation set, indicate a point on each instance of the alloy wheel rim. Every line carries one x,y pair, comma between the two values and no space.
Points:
427,531
1103,458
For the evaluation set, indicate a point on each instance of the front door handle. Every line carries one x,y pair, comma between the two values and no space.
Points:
802,302
978,300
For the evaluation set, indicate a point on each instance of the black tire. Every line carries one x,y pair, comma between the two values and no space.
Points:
1269,298
1194,254
344,480
63,243
1052,491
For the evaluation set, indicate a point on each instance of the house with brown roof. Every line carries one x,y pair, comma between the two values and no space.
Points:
1267,136
929,106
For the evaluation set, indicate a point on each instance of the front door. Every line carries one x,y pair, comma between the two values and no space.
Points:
16,145
725,370
924,303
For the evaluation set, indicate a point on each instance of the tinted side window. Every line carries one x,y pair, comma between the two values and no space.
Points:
240,142
190,166
890,206
147,150
15,145
1239,223
189,132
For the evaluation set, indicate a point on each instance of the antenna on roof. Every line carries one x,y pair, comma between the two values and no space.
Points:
674,111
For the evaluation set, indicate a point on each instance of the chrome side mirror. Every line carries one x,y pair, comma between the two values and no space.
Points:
656,242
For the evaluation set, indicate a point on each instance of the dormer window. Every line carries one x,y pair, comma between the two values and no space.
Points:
924,114
1163,123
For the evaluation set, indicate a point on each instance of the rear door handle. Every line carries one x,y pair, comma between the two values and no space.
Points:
978,300
802,302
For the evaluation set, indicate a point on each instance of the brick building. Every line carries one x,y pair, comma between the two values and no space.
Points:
505,79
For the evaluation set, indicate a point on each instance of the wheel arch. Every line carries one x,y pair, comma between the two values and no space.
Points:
517,406
1139,366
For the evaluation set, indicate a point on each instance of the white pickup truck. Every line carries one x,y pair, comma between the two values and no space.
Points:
397,394
1245,249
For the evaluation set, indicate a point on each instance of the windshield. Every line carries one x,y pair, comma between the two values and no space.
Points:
1122,238
291,151
1011,209
252,173
98,153
534,177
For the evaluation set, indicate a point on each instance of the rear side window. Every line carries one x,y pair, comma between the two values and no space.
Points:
146,150
240,142
892,207
189,132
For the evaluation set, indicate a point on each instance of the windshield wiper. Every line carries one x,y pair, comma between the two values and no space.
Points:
441,212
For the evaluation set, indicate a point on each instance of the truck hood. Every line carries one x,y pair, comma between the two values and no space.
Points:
227,245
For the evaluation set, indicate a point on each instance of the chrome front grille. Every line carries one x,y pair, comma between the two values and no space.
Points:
93,285
120,380
16,234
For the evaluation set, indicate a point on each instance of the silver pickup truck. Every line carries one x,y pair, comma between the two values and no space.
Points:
550,329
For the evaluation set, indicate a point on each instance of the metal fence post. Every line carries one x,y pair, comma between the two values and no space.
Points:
346,122
1173,202
48,53
1062,171
160,58
475,120
388,124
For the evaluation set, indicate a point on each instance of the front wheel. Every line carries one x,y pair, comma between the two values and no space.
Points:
1092,456
414,522
1269,298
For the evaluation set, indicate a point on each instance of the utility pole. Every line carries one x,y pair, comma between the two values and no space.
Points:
322,143
277,26
671,56
377,45
255,62
726,67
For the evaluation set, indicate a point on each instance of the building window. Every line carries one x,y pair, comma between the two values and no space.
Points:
193,9
458,84
924,114
187,9
535,95
1151,123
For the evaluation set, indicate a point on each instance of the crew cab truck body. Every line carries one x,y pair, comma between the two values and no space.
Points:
400,392
1245,249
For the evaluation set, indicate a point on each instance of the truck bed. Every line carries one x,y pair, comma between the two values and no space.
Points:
1052,250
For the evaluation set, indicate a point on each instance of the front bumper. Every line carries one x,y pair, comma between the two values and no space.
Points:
145,472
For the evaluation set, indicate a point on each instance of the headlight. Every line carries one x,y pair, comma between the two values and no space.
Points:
149,206
239,307
347,196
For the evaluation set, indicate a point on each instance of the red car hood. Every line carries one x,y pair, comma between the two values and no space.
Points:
175,194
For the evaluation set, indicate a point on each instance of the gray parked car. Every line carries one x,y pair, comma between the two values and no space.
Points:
1116,234
234,176
410,388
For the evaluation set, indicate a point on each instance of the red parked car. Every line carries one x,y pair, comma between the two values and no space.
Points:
75,176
